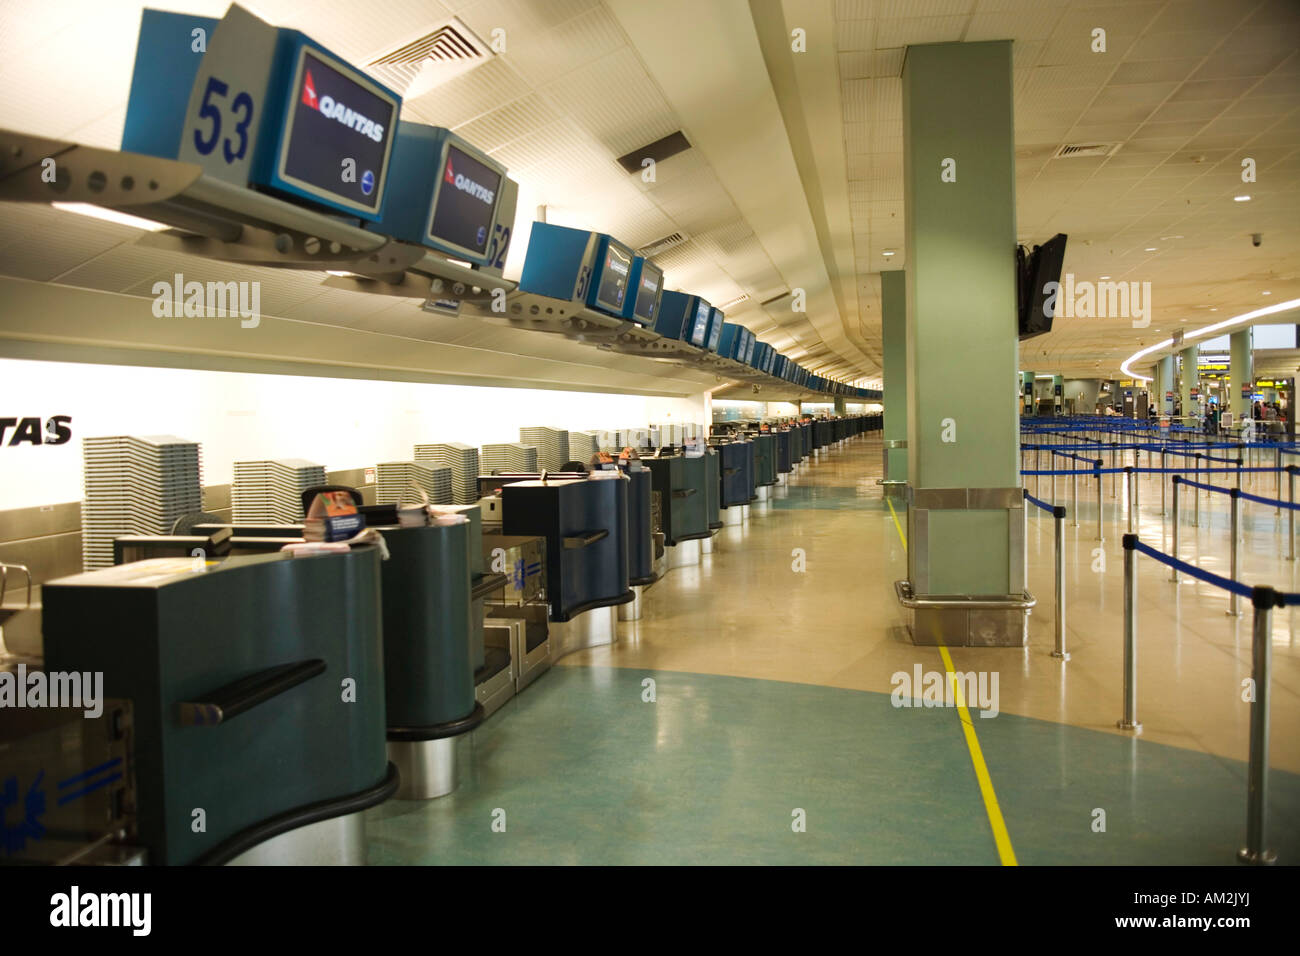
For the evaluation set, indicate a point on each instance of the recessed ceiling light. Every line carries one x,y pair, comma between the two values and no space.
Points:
1105,277
1151,249
1163,238
1266,293
1241,199
888,252
1214,310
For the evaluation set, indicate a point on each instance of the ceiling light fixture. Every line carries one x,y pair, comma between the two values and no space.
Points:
110,215
1198,333
887,253
1105,277
1241,199
1151,249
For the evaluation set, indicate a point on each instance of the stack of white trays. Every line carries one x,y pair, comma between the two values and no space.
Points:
508,458
393,481
270,492
582,445
135,485
552,445
463,462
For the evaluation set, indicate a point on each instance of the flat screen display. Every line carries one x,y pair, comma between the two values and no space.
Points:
336,116
613,278
715,330
700,330
647,293
749,348
466,202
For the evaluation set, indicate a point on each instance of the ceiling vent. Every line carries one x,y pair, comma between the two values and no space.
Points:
1070,150
432,59
732,303
660,246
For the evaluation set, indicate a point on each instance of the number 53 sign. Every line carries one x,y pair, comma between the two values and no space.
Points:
228,97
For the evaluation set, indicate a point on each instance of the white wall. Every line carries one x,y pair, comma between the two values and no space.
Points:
237,416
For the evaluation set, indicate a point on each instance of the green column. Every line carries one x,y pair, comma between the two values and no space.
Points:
1186,379
893,328
1058,394
1241,371
1164,385
965,509
1026,393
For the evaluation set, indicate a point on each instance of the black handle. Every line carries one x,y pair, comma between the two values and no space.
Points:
730,471
584,538
227,703
684,492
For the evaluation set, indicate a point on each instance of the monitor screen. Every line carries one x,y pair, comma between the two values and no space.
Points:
465,202
715,330
647,293
700,331
336,116
614,272
749,347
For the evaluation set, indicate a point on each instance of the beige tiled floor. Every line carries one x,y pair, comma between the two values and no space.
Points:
747,612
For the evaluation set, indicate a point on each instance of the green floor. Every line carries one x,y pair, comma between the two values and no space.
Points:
711,772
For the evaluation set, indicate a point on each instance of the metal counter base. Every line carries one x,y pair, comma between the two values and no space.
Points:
962,621
593,628
685,554
706,544
733,515
631,611
764,492
338,841
497,689
428,767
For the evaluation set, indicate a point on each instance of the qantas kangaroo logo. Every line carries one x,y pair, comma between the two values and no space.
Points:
309,92
451,175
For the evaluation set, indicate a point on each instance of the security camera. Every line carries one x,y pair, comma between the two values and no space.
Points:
1256,239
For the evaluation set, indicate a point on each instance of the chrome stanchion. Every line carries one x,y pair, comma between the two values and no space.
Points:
1038,466
1074,492
1239,472
1290,512
1277,478
1114,482
1261,660
1058,516
1196,493
1163,466
1235,544
1101,536
1129,483
1130,721
1173,572
1051,466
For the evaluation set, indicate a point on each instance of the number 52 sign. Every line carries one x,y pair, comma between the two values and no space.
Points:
228,97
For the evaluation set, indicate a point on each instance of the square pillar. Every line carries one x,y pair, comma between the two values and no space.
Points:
965,515
893,327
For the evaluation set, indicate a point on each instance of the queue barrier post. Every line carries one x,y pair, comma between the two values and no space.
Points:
1264,600
1173,571
1130,721
1058,517
1096,465
1234,609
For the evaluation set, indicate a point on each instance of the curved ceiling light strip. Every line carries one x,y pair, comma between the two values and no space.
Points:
1201,332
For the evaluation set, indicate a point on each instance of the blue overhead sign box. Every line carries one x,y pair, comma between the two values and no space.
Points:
258,106
579,266
448,195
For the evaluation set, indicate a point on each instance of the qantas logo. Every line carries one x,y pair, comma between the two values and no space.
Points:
330,107
467,185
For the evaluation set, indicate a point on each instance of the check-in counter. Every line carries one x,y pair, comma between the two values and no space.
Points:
680,482
734,479
713,488
764,462
640,531
585,524
257,686
784,459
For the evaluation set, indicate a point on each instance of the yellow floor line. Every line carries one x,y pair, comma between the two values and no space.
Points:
1000,835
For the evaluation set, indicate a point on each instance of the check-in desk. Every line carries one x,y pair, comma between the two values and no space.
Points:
584,522
733,469
428,653
680,482
640,537
764,464
784,453
257,689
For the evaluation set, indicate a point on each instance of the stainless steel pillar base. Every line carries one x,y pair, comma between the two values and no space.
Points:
965,621
706,544
764,492
781,477
684,554
744,512
338,841
428,767
593,628
733,515
632,610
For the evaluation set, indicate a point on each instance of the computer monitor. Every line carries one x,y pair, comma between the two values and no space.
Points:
648,280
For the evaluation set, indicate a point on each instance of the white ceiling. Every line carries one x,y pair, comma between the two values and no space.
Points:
1189,87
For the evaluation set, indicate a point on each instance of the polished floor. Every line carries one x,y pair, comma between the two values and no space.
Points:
772,736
